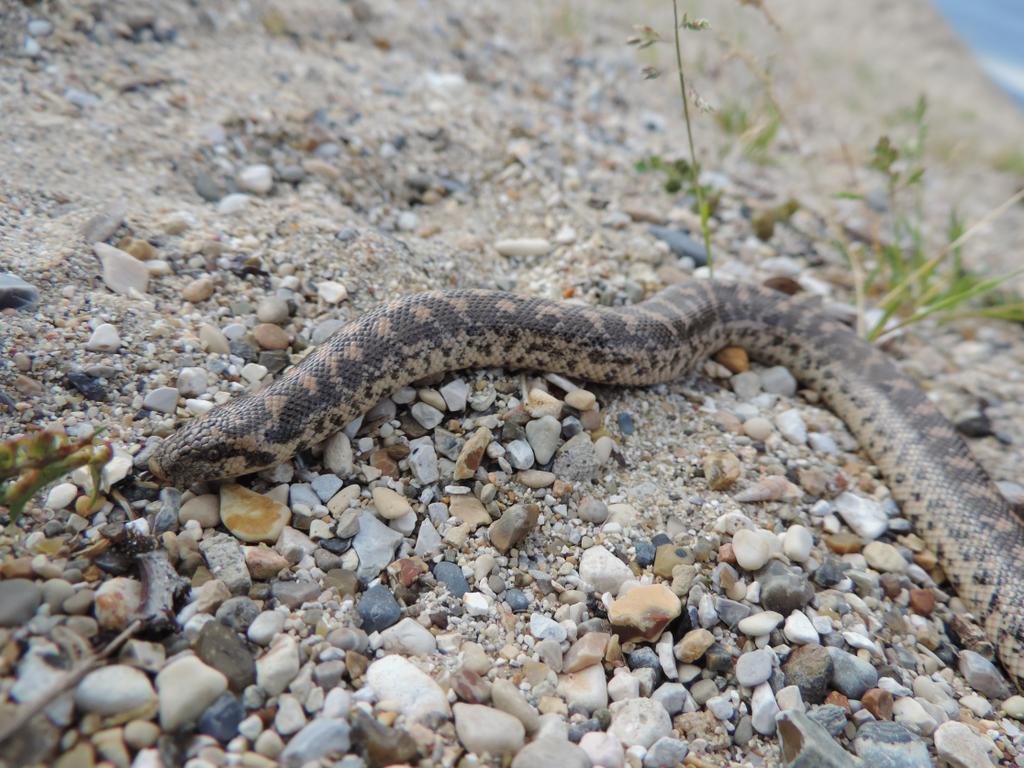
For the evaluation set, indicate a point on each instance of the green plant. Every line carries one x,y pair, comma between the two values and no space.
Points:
646,38
905,282
30,462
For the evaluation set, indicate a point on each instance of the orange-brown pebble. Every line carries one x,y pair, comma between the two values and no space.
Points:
726,554
926,559
198,290
922,601
18,568
838,699
878,703
843,543
734,358
270,336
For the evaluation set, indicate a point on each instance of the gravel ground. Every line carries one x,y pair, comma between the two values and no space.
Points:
493,567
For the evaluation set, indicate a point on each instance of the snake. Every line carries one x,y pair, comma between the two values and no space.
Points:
941,488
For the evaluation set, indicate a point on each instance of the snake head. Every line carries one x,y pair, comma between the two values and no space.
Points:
205,450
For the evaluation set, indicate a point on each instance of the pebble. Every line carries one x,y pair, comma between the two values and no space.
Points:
331,292
198,290
116,601
409,637
887,743
982,675
378,609
805,744
799,629
753,548
666,752
757,428
644,612
792,426
232,204
550,750
320,738
122,272
777,380
185,688
543,435
681,244
865,516
754,667
693,645
603,570
222,718
810,668
114,689
485,730
161,400
586,689
523,247
884,557
603,749
512,527
265,627
851,675
59,497
395,679
104,338
797,543
257,179
375,545
959,746
639,722
451,576
759,624
389,504
276,668
204,509
427,416
763,709
252,517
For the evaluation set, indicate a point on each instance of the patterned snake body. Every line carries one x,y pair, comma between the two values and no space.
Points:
950,500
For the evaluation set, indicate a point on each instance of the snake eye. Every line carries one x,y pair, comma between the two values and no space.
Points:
214,454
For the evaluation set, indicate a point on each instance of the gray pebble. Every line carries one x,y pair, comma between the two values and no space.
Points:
851,675
15,293
19,599
378,609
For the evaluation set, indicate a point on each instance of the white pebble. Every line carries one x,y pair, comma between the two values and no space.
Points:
104,339
332,292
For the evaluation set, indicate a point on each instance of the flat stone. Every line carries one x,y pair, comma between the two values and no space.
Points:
472,453
451,576
763,709
395,679
104,224
185,688
390,504
644,612
884,557
161,400
485,730
250,516
122,272
639,722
